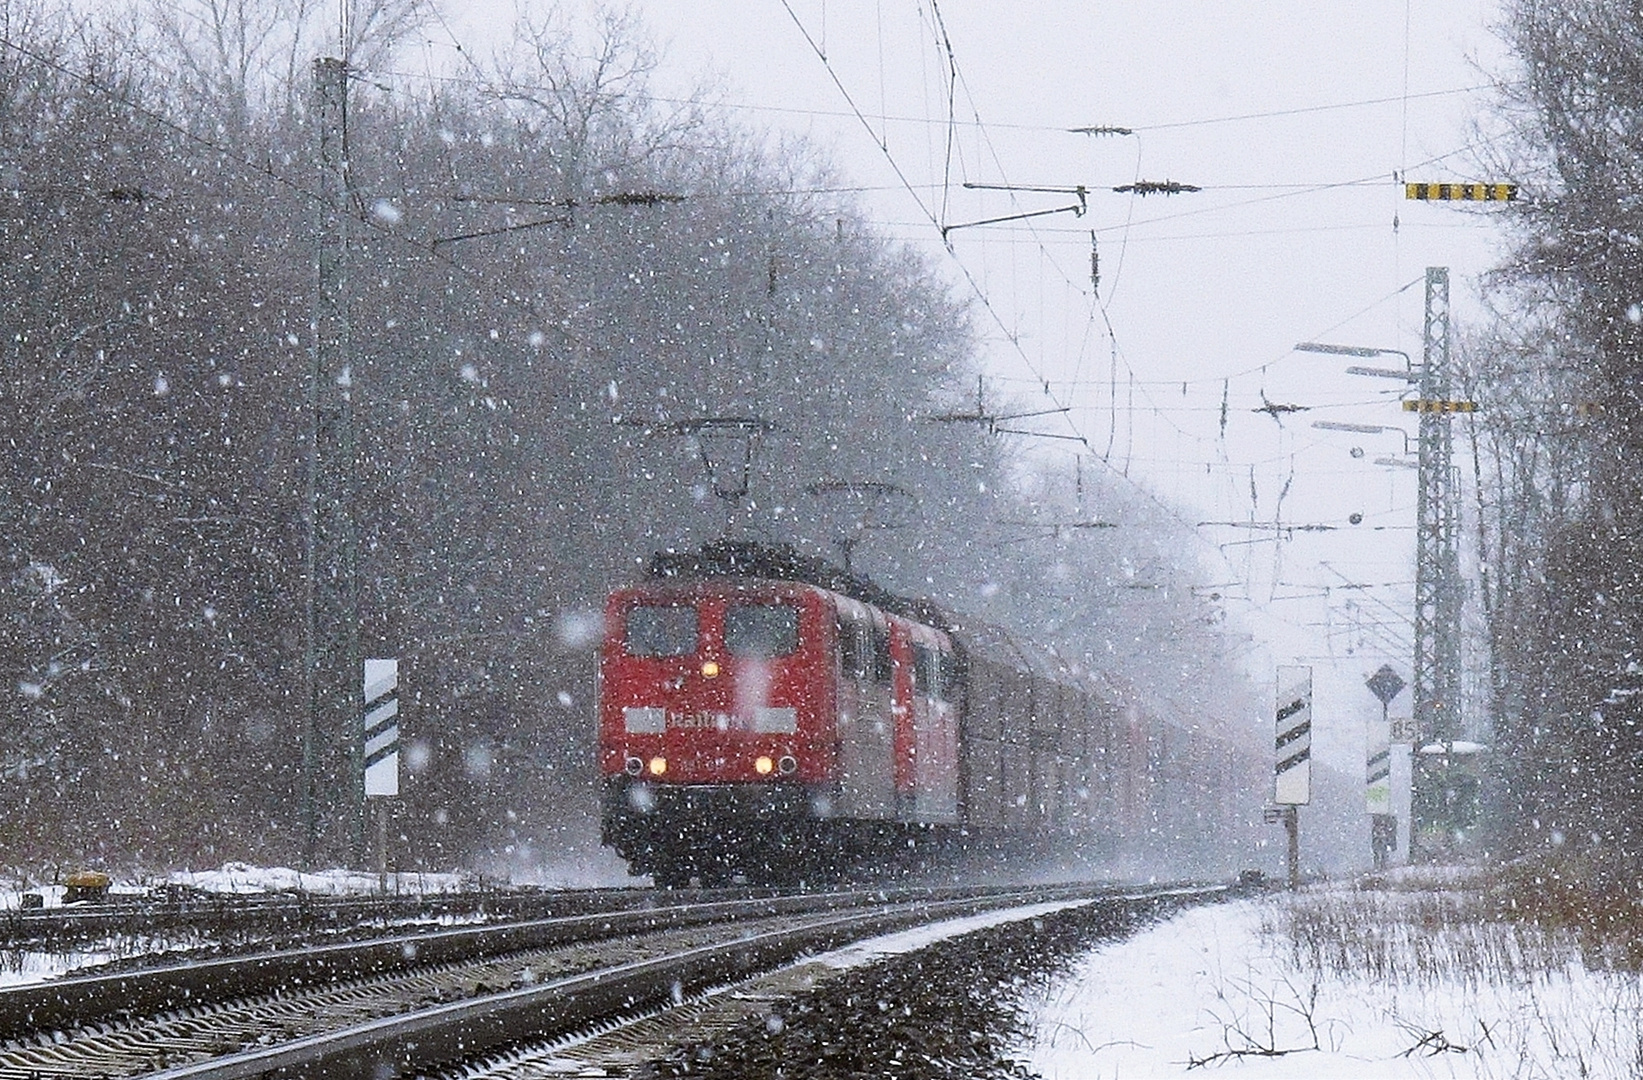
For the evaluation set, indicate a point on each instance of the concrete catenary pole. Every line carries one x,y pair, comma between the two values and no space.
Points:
332,791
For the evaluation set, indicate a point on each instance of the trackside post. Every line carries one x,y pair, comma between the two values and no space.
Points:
1292,770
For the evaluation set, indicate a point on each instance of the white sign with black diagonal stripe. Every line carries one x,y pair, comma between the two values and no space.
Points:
381,731
1293,742
1378,768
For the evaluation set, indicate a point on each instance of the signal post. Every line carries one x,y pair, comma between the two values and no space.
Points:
1292,769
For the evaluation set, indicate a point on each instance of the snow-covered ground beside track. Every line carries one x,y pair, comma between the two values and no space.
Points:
236,878
241,878
33,964
1221,986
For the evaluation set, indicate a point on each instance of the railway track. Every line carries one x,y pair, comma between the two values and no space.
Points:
417,1001
227,917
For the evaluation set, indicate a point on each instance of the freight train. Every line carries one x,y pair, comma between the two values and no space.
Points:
765,716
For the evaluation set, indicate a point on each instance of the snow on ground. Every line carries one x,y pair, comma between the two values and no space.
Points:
906,941
21,967
241,878
51,896
11,895
575,866
1224,986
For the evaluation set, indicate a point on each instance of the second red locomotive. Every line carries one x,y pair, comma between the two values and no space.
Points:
766,715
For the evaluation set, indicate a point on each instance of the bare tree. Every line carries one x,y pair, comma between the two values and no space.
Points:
376,28
554,274
1563,437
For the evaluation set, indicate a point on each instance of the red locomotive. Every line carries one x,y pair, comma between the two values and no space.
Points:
764,714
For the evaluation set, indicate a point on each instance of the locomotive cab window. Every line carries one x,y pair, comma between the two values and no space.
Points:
883,666
661,630
761,631
854,651
949,676
926,674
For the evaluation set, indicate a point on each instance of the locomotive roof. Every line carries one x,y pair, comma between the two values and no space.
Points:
781,562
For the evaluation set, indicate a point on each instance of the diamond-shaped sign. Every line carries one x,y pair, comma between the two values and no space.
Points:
1385,684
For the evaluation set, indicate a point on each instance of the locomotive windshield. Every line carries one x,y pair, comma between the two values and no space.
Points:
661,630
761,631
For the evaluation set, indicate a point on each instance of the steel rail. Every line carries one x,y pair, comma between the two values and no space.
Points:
76,1001
239,914
73,1002
430,1037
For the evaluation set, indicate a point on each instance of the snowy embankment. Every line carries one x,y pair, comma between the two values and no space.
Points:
241,879
1403,980
20,966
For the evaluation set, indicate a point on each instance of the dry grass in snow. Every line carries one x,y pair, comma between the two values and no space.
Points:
1412,976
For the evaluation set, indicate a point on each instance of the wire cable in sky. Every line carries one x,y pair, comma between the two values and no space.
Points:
855,109
1402,98
884,117
975,286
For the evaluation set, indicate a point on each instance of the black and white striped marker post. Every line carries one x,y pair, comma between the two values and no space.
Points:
1383,825
381,732
381,750
1292,772
1378,771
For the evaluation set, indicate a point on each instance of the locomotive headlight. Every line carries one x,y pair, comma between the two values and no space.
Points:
658,766
763,765
788,764
710,669
633,766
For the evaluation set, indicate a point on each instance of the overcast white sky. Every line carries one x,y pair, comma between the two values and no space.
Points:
1292,239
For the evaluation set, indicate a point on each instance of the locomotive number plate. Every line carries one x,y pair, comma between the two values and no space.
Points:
701,721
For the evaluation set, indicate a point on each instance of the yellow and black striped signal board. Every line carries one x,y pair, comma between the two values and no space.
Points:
1429,406
1467,192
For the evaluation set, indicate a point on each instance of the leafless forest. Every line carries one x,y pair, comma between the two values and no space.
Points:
551,275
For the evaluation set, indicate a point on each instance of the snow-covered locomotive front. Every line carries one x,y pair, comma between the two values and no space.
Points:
767,727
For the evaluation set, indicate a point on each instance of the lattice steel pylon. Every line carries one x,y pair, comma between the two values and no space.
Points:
1438,587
